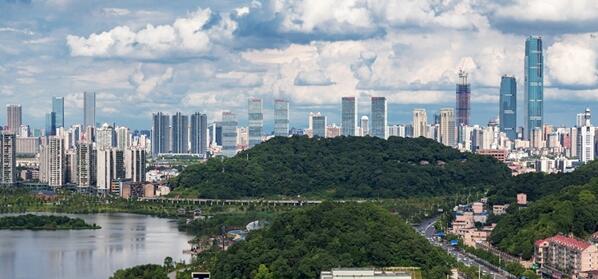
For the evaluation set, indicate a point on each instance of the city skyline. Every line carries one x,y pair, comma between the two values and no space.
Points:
411,57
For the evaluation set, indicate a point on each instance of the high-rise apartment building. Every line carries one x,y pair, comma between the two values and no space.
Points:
319,124
508,106
86,164
199,134
14,118
364,125
135,162
420,123
281,118
8,158
447,127
229,134
123,137
349,116
585,137
89,109
534,84
379,117
256,121
52,162
180,133
463,101
105,137
160,129
58,110
110,166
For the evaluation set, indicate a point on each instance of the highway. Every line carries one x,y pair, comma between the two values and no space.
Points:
426,229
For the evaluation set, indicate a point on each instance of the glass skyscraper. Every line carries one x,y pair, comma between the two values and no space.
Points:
89,109
50,124
256,121
281,118
58,110
508,106
378,117
319,125
349,116
160,133
199,133
229,134
463,94
534,84
180,134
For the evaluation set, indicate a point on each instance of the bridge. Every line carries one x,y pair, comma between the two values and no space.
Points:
212,202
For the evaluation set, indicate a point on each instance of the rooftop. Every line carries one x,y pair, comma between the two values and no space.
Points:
569,242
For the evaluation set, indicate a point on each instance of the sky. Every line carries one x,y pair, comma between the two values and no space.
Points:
143,56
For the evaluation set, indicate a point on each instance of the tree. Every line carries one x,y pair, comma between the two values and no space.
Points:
263,273
168,263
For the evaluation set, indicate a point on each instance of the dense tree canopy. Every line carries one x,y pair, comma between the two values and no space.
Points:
301,243
148,271
572,210
344,167
44,222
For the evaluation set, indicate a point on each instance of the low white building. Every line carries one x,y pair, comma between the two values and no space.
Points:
364,273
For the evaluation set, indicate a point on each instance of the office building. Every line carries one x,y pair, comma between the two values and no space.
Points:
319,123
8,158
349,116
447,127
135,164
534,85
160,129
585,137
58,110
463,101
508,106
364,125
229,134
180,133
281,118
110,166
420,123
14,118
379,117
105,137
50,124
199,134
89,109
86,164
256,121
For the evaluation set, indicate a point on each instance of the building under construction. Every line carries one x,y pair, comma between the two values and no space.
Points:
463,107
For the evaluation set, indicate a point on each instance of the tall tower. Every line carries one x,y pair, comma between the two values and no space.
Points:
534,84
585,137
89,109
14,118
364,125
229,134
349,116
58,110
281,118
8,166
199,133
256,121
447,127
463,94
420,123
378,117
105,138
160,133
508,106
180,133
51,124
135,161
319,124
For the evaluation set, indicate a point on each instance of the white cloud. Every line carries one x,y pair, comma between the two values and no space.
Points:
313,78
549,10
145,84
573,60
186,36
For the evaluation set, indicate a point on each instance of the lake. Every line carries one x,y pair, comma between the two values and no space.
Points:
124,240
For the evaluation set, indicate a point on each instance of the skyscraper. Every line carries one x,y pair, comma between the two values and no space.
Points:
14,118
256,121
463,94
508,106
86,164
123,138
8,159
229,134
110,166
420,123
135,161
50,124
349,116
180,133
585,137
105,138
447,127
378,117
89,109
199,134
281,118
319,125
58,110
534,84
160,133
364,125
52,162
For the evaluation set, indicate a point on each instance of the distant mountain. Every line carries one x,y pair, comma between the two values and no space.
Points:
343,167
301,243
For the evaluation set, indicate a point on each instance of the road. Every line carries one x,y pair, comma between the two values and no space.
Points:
426,229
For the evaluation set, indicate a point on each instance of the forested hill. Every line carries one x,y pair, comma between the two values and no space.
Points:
343,167
572,210
302,243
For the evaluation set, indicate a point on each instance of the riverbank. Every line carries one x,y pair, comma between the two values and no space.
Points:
44,222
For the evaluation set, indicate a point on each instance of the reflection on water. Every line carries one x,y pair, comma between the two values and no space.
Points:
124,240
